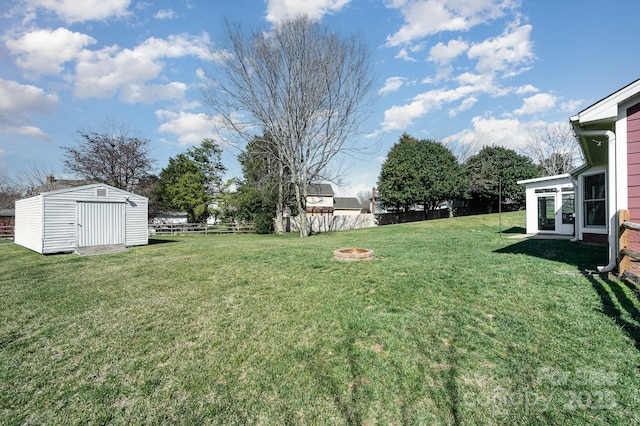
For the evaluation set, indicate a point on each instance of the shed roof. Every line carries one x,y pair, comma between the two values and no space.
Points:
84,187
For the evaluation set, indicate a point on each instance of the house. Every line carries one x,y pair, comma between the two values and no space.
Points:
91,215
320,199
346,206
606,187
609,135
54,184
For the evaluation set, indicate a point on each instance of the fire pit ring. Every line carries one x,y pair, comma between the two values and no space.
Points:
353,254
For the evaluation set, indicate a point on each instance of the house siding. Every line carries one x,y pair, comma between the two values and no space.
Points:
633,181
633,162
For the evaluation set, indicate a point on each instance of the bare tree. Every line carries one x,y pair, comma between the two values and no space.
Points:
35,178
303,85
112,156
554,149
9,193
364,198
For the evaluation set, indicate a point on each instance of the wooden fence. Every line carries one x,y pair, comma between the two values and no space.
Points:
7,231
629,243
200,228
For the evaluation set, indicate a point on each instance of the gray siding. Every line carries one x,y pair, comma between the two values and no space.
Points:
28,227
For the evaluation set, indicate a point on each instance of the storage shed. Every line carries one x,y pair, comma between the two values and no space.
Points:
85,216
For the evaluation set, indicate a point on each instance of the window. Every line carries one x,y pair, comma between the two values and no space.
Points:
595,209
568,208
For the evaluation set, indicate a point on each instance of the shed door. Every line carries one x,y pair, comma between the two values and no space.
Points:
100,224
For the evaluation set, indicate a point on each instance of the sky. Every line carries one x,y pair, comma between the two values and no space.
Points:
470,73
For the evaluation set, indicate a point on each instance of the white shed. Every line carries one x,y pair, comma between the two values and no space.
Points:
85,216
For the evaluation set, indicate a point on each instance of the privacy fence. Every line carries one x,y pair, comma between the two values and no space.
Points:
333,223
6,231
200,228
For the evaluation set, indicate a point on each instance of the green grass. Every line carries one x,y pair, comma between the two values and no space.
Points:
451,324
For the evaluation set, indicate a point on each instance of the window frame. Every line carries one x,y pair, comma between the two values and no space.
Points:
590,201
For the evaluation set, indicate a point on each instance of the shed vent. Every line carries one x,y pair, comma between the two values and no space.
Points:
101,192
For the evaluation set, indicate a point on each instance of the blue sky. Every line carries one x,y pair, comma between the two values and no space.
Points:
467,72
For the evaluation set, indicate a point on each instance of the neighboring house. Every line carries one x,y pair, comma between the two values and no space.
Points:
85,216
158,218
320,199
53,184
346,206
607,185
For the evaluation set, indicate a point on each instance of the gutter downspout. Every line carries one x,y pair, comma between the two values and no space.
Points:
577,211
613,201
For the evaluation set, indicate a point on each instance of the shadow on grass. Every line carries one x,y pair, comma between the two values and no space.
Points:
582,256
515,230
620,303
153,241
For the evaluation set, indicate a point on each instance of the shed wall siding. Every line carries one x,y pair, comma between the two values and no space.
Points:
28,223
137,219
59,225
61,216
633,161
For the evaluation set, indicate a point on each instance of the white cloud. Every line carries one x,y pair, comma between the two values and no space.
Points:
190,128
536,103
391,85
572,106
466,105
30,131
444,54
279,10
528,88
405,56
18,102
134,93
110,70
165,14
505,53
46,51
71,11
488,131
401,117
427,17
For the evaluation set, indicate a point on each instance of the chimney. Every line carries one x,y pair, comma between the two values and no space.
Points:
373,200
50,179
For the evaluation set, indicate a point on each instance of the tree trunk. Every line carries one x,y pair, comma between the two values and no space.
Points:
279,225
301,194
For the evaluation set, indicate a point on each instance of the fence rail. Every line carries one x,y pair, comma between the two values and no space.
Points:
7,231
200,228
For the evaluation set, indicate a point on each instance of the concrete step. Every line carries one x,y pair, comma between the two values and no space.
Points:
93,250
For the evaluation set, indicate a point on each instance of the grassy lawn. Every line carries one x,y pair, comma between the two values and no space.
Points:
451,324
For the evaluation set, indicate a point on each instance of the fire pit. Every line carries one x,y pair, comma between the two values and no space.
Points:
353,254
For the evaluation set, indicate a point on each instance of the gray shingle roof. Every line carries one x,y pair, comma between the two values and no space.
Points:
321,190
346,203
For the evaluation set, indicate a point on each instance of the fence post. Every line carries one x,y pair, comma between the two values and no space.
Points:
624,242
